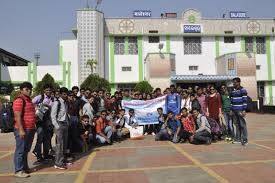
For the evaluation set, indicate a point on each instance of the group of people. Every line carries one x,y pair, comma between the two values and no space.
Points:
81,118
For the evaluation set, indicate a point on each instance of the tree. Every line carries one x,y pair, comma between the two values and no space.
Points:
144,87
47,79
95,82
92,63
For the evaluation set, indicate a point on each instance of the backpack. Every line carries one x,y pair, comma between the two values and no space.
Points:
7,116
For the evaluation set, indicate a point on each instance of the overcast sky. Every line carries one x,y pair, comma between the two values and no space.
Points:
29,26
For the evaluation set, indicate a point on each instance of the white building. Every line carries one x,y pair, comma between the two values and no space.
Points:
199,50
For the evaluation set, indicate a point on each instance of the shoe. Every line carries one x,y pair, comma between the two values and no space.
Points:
68,163
244,143
39,161
153,134
62,167
21,174
208,142
146,134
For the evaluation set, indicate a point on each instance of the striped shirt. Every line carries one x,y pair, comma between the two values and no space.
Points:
29,118
238,99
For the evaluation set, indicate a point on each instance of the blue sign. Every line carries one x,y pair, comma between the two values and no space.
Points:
142,13
192,28
237,14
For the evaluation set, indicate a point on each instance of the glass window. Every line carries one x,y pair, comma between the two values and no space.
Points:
132,45
193,68
192,45
119,45
229,39
260,45
248,44
126,68
153,39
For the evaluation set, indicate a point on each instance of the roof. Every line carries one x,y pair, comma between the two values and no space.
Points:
13,56
202,77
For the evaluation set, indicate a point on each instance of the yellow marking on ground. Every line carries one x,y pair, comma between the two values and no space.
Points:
199,164
263,146
5,155
240,162
43,173
142,169
5,151
83,172
129,147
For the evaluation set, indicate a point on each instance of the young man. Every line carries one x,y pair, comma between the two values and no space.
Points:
104,129
24,129
44,124
162,118
126,95
238,110
203,133
60,120
172,129
101,100
173,102
85,133
194,102
189,126
186,103
121,130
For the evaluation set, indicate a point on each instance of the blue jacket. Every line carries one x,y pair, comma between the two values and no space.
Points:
173,103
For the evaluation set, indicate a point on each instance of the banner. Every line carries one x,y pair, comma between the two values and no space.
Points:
145,111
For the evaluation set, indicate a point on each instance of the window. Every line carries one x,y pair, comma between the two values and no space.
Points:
126,69
248,44
132,45
192,45
260,45
153,39
119,45
258,67
230,39
193,68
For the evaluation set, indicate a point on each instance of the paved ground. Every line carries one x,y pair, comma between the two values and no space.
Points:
145,161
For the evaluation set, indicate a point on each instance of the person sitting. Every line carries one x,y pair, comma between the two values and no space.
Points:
203,133
85,133
189,126
131,121
162,118
172,129
104,128
120,124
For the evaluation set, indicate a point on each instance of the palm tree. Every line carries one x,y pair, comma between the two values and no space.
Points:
92,63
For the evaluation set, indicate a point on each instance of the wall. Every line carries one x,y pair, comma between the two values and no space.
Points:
229,47
14,73
54,70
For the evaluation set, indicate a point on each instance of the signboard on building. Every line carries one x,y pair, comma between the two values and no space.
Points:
142,13
237,14
192,28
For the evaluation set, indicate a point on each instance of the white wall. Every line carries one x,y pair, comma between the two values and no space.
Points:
261,75
229,47
55,71
153,47
126,61
70,55
14,73
205,61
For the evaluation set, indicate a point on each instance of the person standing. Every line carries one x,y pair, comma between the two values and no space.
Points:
24,129
213,109
238,111
60,120
202,100
173,101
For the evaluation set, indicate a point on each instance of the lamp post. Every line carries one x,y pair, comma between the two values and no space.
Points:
37,57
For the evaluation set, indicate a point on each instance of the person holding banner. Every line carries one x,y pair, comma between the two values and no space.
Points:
120,124
172,129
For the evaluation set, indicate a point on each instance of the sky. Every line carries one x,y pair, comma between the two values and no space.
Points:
31,26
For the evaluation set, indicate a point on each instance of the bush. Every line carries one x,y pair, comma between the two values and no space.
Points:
47,79
94,82
144,87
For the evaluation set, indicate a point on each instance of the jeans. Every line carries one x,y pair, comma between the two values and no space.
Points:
240,123
202,137
185,135
43,137
108,132
229,124
23,146
73,142
61,143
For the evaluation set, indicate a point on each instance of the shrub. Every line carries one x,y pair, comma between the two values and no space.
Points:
144,87
94,82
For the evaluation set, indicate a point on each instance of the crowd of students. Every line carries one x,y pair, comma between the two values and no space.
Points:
82,118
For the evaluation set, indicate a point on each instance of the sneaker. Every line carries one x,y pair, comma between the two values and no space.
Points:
39,161
63,167
153,134
146,134
208,142
68,163
21,174
245,143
